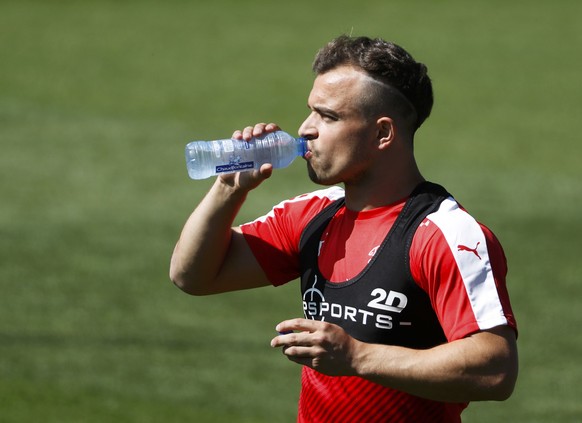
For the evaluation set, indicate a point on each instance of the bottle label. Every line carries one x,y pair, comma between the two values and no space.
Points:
234,167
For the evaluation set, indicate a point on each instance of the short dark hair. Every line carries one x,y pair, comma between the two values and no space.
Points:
385,62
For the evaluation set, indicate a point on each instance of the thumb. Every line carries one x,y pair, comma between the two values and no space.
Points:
266,170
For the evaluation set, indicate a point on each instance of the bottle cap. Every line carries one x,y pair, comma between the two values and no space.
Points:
301,146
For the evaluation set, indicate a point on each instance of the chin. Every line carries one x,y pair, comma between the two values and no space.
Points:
321,179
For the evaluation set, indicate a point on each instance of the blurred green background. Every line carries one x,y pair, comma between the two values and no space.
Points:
98,99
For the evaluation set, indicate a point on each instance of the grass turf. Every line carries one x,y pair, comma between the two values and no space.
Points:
97,100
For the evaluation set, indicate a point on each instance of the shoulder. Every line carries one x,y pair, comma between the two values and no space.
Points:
318,198
452,224
274,237
285,222
456,259
303,207
452,229
451,218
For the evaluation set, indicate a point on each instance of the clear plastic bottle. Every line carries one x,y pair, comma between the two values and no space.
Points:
208,158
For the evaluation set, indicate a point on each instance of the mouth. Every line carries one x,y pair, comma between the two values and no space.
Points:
308,153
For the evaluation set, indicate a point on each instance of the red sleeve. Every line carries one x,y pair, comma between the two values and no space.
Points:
462,266
274,238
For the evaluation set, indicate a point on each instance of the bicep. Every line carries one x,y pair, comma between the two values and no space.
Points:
480,367
240,269
496,347
491,358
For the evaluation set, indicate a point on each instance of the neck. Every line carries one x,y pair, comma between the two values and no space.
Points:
382,187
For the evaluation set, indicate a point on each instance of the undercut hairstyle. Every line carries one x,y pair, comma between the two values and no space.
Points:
408,86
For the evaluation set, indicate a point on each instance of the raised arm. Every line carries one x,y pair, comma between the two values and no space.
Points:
211,256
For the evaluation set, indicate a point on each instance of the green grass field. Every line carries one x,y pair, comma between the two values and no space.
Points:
98,99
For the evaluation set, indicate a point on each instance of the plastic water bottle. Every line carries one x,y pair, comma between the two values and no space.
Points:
208,158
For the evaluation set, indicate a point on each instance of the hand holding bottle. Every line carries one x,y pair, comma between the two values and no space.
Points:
247,150
251,179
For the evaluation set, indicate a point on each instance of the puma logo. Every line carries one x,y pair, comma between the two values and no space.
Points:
462,247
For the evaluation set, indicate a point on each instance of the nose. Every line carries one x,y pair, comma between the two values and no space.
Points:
307,129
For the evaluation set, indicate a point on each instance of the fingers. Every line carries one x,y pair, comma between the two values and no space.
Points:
299,325
255,131
300,355
250,180
298,332
324,352
289,338
323,346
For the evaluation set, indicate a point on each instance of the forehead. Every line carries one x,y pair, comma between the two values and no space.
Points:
338,88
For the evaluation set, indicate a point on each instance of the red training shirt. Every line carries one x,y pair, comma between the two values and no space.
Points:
456,260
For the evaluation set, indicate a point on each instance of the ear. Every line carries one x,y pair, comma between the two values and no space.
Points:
386,131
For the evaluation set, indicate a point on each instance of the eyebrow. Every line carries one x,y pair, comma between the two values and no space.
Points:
322,110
